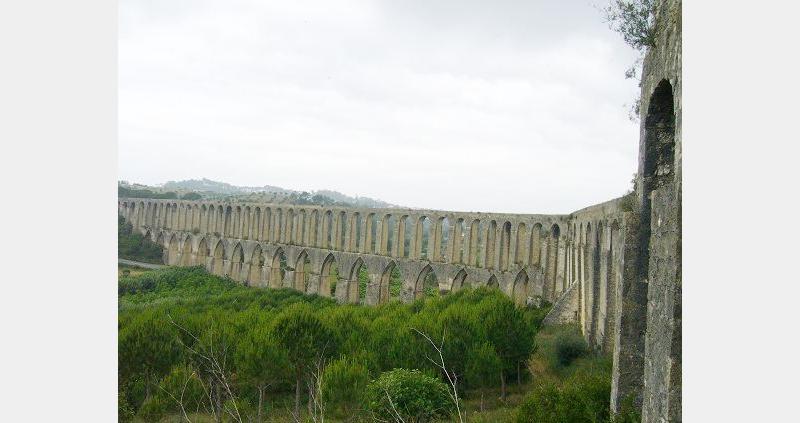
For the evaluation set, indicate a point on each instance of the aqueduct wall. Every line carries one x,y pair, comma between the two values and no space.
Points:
526,256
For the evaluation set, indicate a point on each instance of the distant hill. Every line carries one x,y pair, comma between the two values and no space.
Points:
208,189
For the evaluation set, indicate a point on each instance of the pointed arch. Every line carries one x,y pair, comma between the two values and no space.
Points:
356,293
492,283
218,261
329,276
256,264
520,289
427,284
302,272
278,271
459,281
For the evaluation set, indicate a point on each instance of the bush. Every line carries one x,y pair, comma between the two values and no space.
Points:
568,347
153,409
343,384
416,397
182,383
583,398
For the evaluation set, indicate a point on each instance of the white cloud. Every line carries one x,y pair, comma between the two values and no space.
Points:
514,107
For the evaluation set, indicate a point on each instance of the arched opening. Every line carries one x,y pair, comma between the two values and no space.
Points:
172,250
372,233
236,231
552,260
329,276
492,283
203,219
186,252
228,229
520,289
202,253
391,284
327,229
256,264
459,281
505,246
301,228
244,227
255,230
443,233
403,238
521,253
358,282
491,236
536,245
659,162
290,236
279,268
237,263
302,272
355,233
457,255
279,233
421,238
266,227
341,230
219,231
426,285
475,243
388,235
218,262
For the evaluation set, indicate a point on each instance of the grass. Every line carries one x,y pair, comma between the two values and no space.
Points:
132,270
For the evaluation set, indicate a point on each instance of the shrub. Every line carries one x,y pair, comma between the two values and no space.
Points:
153,409
414,396
568,347
182,384
583,398
343,384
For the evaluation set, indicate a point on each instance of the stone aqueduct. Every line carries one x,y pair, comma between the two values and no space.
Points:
525,256
613,268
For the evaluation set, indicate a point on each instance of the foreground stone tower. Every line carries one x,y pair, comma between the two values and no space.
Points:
647,353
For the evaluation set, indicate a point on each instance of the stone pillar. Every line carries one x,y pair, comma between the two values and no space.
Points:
662,352
628,357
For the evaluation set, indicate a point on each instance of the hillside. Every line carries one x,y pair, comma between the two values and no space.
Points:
215,190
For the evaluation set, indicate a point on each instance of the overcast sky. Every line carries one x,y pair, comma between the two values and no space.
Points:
505,106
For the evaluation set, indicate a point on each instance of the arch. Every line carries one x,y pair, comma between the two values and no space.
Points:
327,230
313,229
371,234
172,250
492,282
237,262
491,237
519,291
204,219
505,246
403,238
228,228
256,264
421,239
244,225
427,284
459,281
457,251
266,225
302,230
358,281
278,271
255,225
391,283
203,252
387,235
278,231
219,228
302,272
521,253
354,234
551,271
218,261
536,245
341,230
329,277
473,258
186,252
442,234
289,236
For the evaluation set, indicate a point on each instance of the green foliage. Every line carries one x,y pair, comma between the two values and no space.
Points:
483,366
582,398
125,192
191,196
134,246
634,20
395,283
344,383
569,346
363,281
125,412
181,386
414,396
272,339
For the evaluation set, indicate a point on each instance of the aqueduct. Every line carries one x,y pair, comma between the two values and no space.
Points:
613,268
525,256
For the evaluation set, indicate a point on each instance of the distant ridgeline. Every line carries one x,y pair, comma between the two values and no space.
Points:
197,189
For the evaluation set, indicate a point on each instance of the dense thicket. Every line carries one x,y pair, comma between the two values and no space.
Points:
134,246
237,349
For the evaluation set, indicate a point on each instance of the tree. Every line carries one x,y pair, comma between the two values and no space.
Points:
483,365
261,361
343,386
635,20
305,339
509,333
